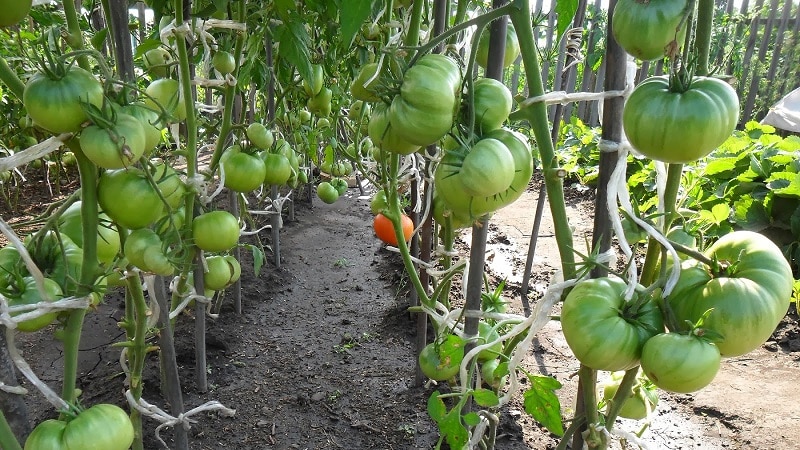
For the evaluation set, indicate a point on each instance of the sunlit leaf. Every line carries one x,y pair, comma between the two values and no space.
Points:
542,403
352,16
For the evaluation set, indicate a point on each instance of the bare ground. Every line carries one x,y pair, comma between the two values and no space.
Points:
322,356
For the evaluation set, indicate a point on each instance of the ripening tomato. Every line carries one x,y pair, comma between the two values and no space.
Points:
215,231
55,104
441,361
384,228
103,426
116,147
681,363
244,172
650,29
13,11
115,192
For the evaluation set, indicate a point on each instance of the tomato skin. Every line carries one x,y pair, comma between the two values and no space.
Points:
151,124
680,127
327,193
637,404
70,224
486,334
680,363
648,29
259,135
102,427
313,86
243,172
423,111
30,295
384,229
220,272
223,62
166,92
487,169
441,361
14,11
55,105
115,148
320,104
215,231
378,204
277,169
131,183
170,184
385,136
143,248
511,47
362,91
492,102
748,303
156,61
601,327
340,185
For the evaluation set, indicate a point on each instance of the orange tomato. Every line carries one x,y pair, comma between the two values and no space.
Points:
385,230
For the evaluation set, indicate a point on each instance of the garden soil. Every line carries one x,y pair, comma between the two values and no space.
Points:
322,356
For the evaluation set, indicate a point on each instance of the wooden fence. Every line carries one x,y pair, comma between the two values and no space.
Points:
756,45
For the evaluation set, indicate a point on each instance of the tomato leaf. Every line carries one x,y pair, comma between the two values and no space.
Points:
565,9
472,419
542,403
294,41
436,408
258,258
351,18
453,430
485,398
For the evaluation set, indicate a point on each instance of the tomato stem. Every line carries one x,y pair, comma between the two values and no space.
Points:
7,439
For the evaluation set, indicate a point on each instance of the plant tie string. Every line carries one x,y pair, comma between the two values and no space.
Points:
184,419
187,296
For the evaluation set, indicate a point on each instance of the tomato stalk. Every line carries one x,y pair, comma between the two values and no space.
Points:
7,439
654,250
10,78
74,36
138,350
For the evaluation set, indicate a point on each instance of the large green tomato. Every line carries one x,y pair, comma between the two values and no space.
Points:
511,47
14,11
749,297
151,124
680,127
362,90
144,249
128,198
492,104
440,361
55,104
327,193
215,231
385,136
650,29
70,223
604,331
114,148
681,363
166,93
277,169
488,168
222,272
423,111
27,293
102,427
320,104
243,172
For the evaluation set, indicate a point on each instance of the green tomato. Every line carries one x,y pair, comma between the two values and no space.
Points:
102,427
236,268
219,273
144,249
423,111
215,231
603,330
304,115
680,363
166,93
170,184
378,204
748,298
116,147
492,104
151,124
486,334
278,169
494,373
223,62
259,135
117,188
14,11
70,223
650,29
362,90
157,62
441,361
28,294
327,192
320,104
640,402
488,168
340,185
56,104
680,127
58,258
511,47
313,86
243,172
385,136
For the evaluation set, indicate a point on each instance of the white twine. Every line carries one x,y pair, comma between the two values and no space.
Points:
574,46
188,296
274,208
615,432
184,419
26,370
34,152
562,97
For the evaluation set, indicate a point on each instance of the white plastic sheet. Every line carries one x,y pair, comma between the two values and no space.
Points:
786,113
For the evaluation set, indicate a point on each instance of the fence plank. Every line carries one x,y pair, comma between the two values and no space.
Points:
791,71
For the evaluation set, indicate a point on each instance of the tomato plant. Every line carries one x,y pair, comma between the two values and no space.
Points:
384,228
423,111
116,145
70,223
103,426
680,127
114,190
681,363
441,360
641,401
144,249
650,29
215,231
55,102
748,295
26,292
604,331
492,104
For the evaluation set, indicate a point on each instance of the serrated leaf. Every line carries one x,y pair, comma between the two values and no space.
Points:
542,403
750,214
352,17
472,419
719,166
720,212
565,10
436,407
293,46
785,184
453,430
485,398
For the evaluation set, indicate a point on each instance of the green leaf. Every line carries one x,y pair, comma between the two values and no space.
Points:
719,166
751,214
352,16
99,38
565,10
258,258
485,398
285,8
294,40
436,408
472,419
453,430
720,212
786,184
145,46
542,403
